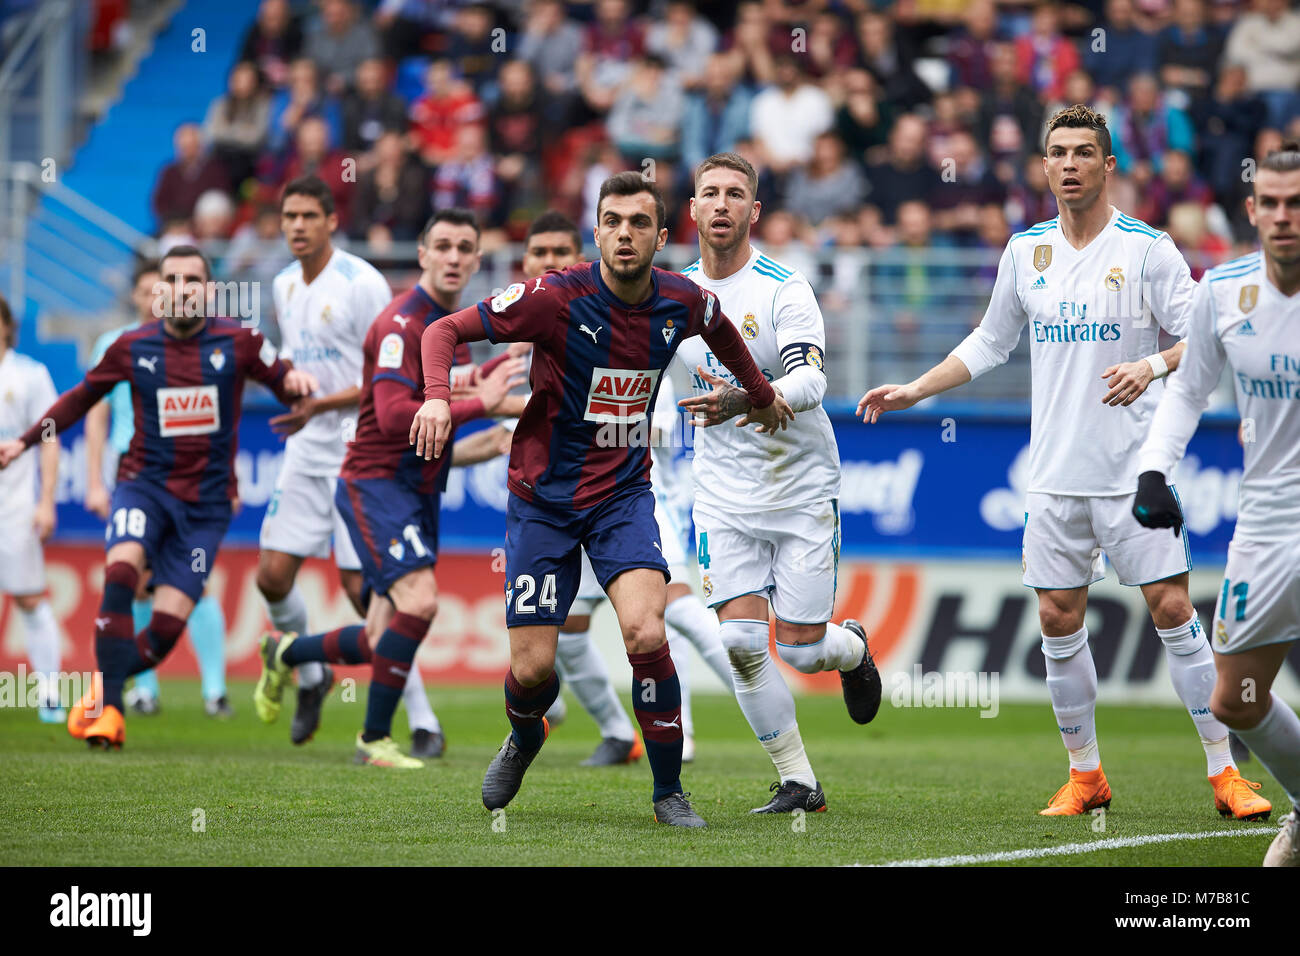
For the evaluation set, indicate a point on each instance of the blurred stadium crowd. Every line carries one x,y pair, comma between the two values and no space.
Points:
878,125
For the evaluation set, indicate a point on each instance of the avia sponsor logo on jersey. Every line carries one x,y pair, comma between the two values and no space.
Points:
1075,327
620,394
193,410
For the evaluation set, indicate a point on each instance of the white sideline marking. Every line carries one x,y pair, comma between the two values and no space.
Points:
1070,849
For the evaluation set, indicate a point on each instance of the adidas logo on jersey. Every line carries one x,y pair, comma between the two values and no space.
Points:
1246,328
1040,284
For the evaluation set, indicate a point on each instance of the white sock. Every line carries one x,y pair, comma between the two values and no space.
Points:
678,648
291,615
1191,668
1275,740
838,650
583,669
44,649
689,617
419,714
1072,684
765,700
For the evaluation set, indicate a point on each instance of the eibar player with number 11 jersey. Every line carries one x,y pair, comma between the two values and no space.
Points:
603,334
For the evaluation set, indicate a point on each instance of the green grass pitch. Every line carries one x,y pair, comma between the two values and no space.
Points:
914,784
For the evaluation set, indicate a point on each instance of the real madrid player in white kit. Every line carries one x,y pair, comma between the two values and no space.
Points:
325,303
1245,315
26,517
1089,284
766,512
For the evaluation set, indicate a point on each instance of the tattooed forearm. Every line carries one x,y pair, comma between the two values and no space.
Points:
733,401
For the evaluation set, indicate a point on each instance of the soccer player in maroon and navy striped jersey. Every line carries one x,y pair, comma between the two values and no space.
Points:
171,505
603,333
388,497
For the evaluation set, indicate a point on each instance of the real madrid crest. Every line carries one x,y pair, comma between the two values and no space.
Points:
749,328
815,357
1042,257
326,313
218,359
1114,279
1248,297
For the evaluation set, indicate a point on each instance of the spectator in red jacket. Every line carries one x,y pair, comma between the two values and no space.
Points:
447,104
1044,58
184,180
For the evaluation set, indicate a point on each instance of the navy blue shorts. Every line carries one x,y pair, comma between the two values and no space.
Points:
393,528
543,563
180,538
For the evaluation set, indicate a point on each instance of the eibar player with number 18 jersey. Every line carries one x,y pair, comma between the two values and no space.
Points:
172,503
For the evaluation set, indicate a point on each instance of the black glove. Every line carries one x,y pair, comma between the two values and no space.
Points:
1155,506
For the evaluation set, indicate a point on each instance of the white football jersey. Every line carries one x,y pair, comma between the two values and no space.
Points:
1239,318
737,470
26,392
323,327
1087,309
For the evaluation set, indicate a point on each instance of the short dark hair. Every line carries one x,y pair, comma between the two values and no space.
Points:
1284,159
312,186
630,183
142,268
552,221
1079,116
456,216
7,320
179,252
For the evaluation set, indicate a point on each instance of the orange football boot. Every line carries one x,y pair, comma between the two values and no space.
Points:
108,731
637,751
1235,795
1086,791
77,719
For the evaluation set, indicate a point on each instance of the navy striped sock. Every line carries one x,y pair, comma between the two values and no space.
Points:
115,650
657,703
156,641
389,667
525,707
343,645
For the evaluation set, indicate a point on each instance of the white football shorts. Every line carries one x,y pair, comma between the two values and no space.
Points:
790,556
1066,537
1260,600
302,520
22,559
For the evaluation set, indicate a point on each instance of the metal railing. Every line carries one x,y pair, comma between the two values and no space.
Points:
61,250
43,67
880,325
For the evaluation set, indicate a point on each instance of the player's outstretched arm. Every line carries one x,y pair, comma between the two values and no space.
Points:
96,431
949,373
